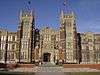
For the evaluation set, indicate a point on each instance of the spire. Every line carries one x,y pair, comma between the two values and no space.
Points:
28,4
65,4
27,11
62,14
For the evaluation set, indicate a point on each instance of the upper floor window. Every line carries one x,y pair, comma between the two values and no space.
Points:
13,37
10,38
89,40
3,46
26,23
69,44
3,38
87,47
69,34
22,46
13,46
69,24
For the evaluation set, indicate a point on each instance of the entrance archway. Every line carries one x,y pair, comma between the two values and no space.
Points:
46,57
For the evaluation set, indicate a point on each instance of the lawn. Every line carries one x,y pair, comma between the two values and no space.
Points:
82,73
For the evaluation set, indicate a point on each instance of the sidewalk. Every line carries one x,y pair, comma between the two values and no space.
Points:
54,69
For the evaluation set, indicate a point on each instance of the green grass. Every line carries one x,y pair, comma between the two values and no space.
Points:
16,73
66,73
82,73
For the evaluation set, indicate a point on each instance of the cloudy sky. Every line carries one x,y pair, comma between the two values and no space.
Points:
47,12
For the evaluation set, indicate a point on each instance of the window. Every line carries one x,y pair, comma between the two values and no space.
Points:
25,56
12,55
17,55
8,56
1,55
3,46
89,40
13,37
83,47
27,45
26,23
90,47
69,24
10,38
69,34
87,47
97,47
2,38
13,46
69,44
63,45
99,55
10,46
22,46
22,55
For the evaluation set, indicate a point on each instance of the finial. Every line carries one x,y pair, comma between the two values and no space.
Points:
28,6
29,2
65,3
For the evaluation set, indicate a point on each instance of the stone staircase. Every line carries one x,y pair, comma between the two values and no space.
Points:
49,69
48,64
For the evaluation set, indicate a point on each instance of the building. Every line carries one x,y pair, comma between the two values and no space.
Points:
48,44
65,45
90,48
26,36
69,35
8,46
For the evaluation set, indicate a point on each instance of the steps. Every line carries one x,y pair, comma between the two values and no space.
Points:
48,64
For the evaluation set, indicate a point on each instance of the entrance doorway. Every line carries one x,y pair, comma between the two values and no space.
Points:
46,57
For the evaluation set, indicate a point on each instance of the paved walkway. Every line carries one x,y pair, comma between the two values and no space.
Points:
50,73
48,67
54,69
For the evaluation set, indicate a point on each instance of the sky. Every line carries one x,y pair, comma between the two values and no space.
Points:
47,13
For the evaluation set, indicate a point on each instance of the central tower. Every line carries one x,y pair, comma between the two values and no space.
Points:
26,36
68,36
